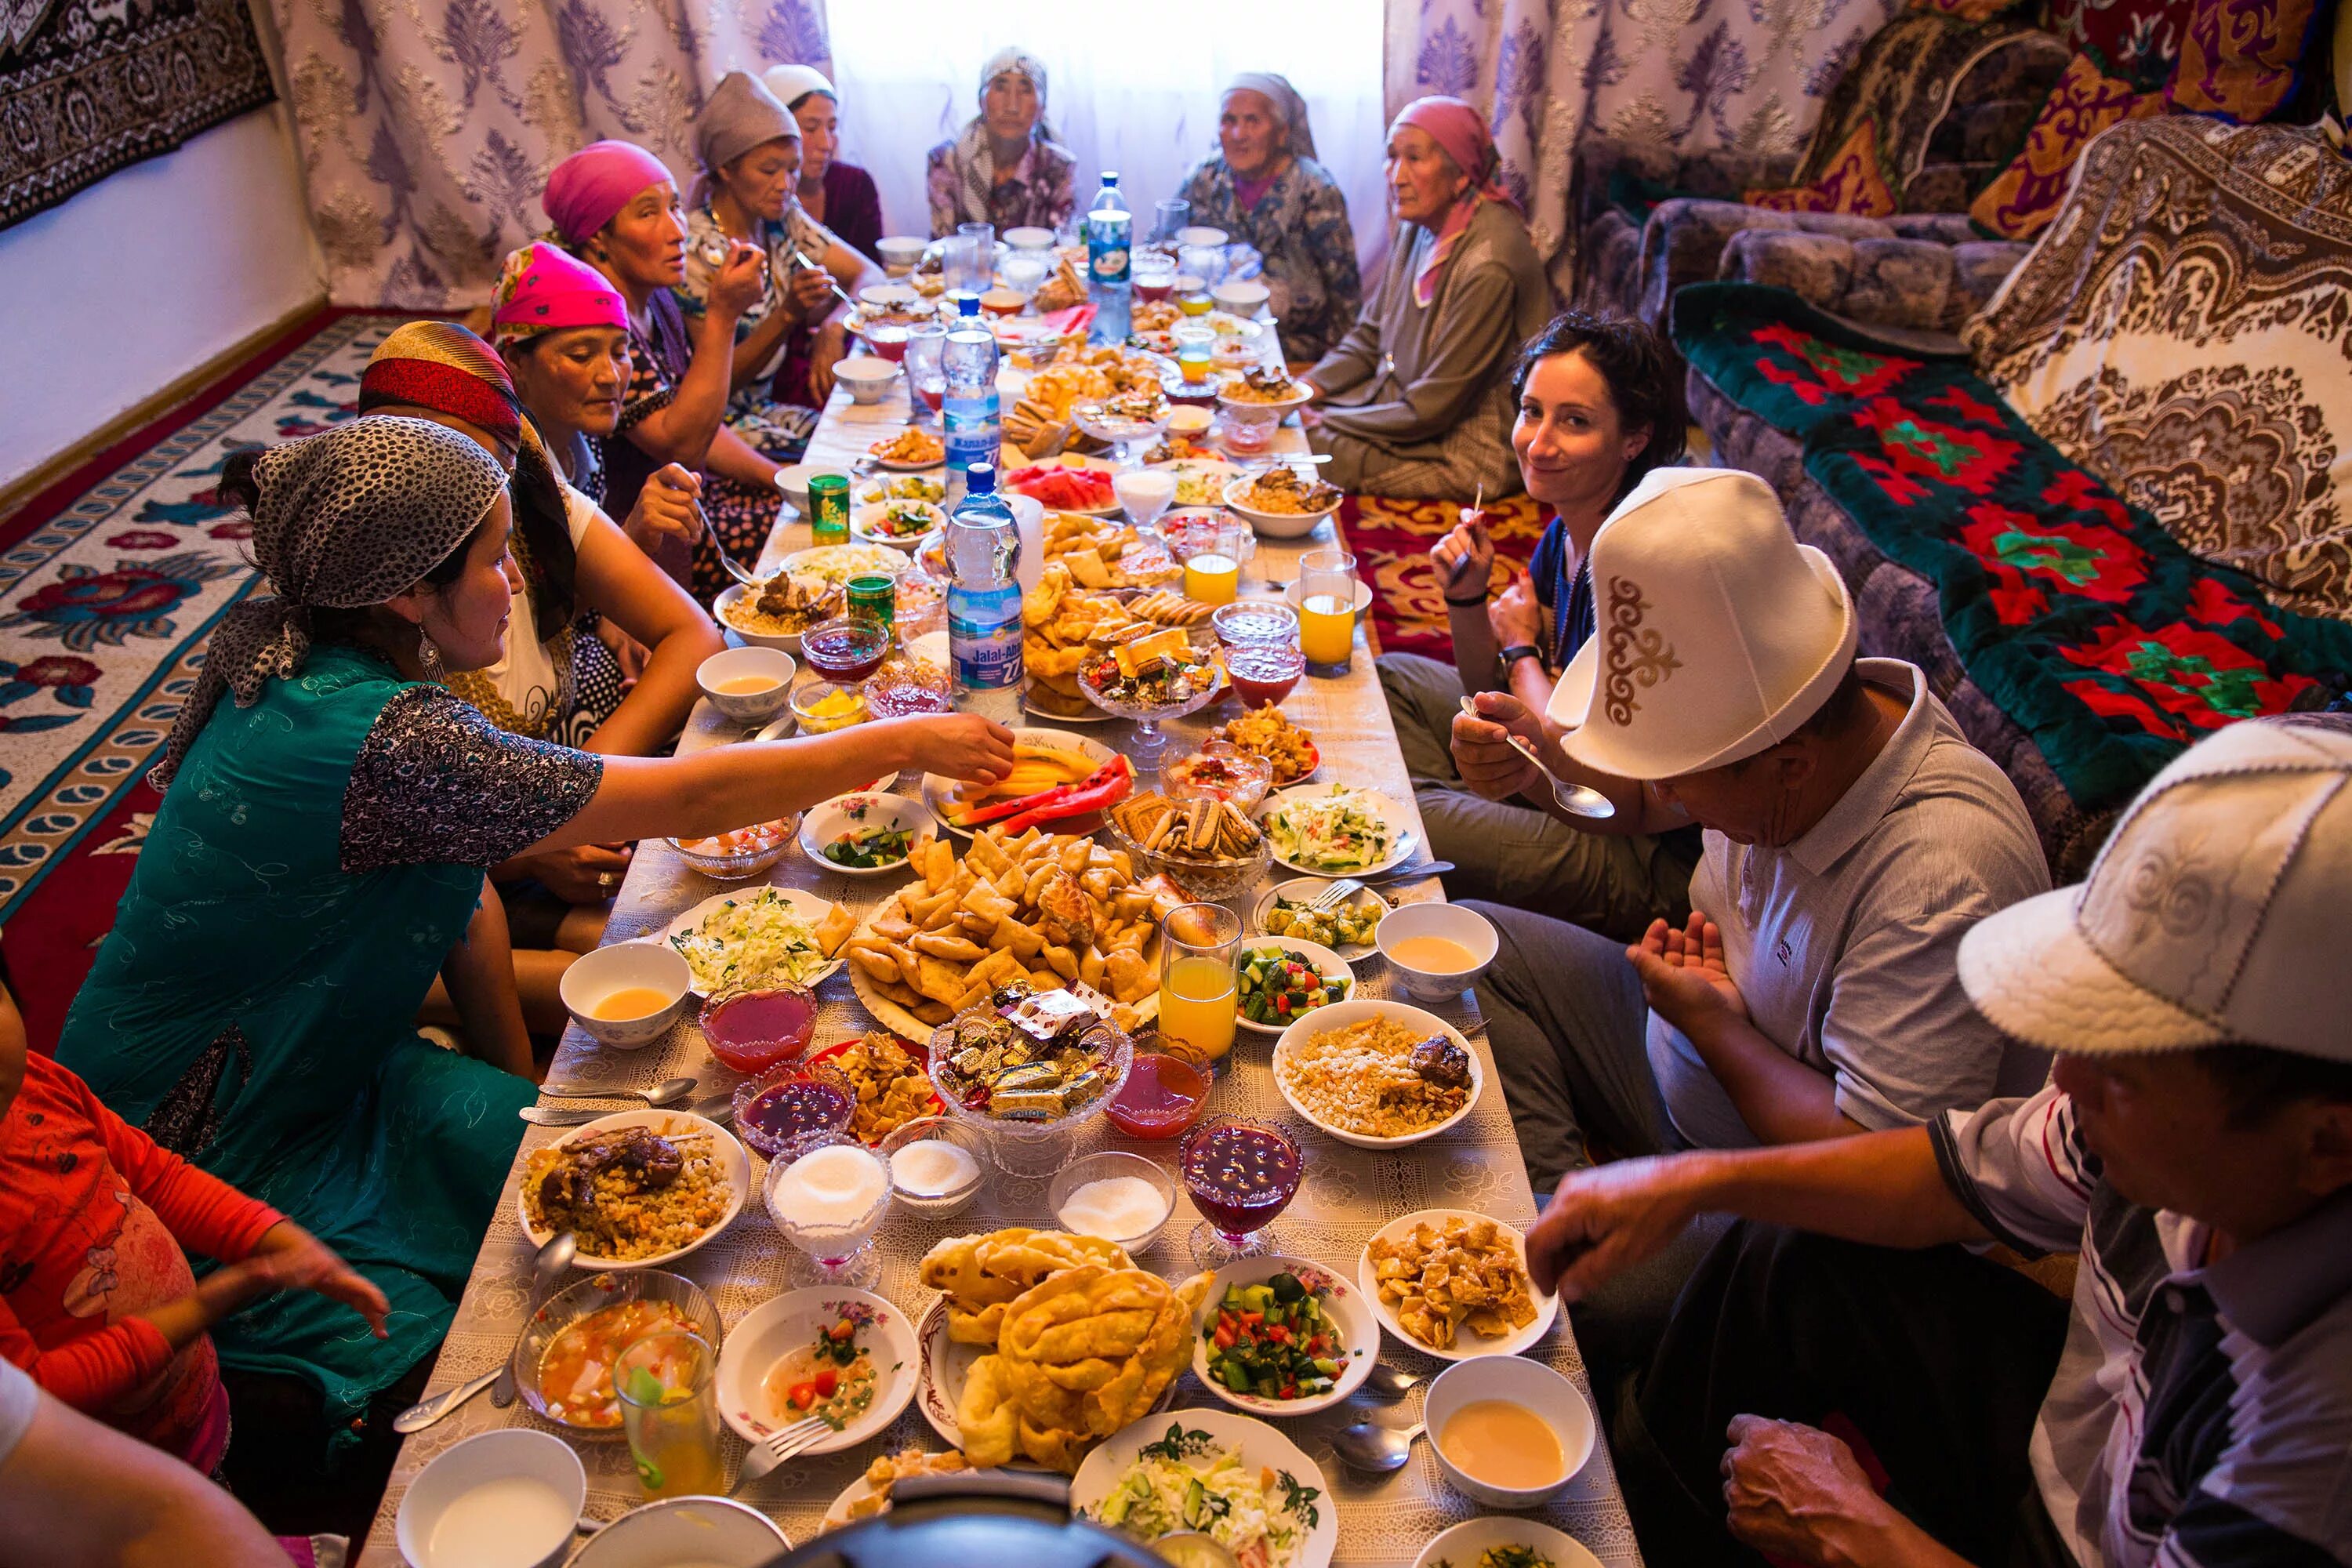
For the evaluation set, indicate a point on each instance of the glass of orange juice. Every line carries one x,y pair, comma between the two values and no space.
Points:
1326,610
669,1409
1212,562
1197,988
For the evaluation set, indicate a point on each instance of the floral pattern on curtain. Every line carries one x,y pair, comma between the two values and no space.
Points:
427,130
1684,74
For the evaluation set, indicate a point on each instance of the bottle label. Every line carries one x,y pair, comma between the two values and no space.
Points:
986,655
1107,264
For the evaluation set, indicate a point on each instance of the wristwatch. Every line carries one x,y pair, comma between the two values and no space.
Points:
1516,652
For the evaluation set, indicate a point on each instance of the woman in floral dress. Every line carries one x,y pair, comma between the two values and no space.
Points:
1004,168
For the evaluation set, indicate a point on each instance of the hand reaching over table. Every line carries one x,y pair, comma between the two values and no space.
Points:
1603,1221
964,746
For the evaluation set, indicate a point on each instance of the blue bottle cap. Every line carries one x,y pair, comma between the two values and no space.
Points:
967,302
979,480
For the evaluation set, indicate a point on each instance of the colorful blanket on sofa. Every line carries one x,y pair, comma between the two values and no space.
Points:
2110,644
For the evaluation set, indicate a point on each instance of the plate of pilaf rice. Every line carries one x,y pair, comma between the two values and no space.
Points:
640,1189
1351,1069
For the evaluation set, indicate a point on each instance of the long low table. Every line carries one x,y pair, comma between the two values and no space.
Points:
1347,1192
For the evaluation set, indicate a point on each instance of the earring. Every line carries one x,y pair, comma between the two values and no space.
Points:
430,656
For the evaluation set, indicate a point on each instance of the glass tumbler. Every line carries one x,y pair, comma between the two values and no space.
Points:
925,365
1168,216
669,1409
1198,994
1326,610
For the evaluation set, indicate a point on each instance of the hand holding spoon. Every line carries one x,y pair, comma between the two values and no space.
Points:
1575,799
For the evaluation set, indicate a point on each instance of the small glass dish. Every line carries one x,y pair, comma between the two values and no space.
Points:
1251,623
820,709
942,1130
1219,771
1109,1164
789,1103
756,849
847,650
758,1029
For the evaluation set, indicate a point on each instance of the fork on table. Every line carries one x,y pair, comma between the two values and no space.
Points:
778,1446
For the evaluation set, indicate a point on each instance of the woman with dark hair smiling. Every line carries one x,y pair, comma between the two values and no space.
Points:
1599,404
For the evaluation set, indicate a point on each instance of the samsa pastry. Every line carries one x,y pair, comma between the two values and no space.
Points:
1080,1355
981,1275
1438,1281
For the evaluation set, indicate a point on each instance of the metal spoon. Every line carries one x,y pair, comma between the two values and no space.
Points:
802,257
426,1412
1575,799
1392,1382
669,1091
1369,1445
545,1270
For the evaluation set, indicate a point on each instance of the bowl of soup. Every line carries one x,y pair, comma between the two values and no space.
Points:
1509,1431
1439,951
749,685
507,1499
629,993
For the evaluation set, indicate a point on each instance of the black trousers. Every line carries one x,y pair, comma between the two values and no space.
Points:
1939,1358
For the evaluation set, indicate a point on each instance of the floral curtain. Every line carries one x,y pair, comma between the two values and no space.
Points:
1684,73
427,130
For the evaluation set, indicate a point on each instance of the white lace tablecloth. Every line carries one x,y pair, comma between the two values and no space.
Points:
1347,1193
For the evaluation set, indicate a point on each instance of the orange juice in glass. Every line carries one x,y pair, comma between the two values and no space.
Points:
1326,610
1195,351
1212,577
1197,992
669,1410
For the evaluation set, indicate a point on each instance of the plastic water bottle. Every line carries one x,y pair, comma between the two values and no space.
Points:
983,550
1109,227
969,412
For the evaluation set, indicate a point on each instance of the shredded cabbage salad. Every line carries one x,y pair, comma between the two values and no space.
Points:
1334,832
1190,1480
758,940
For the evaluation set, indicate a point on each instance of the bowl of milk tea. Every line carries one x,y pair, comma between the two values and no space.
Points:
749,685
1507,1430
509,1499
1439,951
629,993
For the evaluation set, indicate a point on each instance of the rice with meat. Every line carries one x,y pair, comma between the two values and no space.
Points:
626,1216
1361,1079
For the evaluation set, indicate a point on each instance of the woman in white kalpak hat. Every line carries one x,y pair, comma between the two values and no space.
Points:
1851,835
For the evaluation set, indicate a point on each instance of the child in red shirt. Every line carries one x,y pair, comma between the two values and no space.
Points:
96,1300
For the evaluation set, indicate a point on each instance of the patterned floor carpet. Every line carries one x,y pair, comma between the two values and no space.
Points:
106,598
108,591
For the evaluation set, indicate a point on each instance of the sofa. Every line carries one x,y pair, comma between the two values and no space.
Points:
1934,106
2119,512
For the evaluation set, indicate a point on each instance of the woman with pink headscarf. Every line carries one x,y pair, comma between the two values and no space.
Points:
1415,402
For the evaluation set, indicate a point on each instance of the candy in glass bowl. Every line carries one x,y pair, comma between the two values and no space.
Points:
1028,1068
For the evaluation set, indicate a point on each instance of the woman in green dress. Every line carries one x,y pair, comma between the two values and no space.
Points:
320,855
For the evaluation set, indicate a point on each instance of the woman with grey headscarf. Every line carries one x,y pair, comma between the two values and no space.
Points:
1006,168
318,855
1263,186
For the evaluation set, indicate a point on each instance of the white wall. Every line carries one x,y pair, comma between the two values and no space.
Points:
144,276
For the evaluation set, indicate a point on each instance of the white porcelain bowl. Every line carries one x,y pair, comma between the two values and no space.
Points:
733,594
792,479
868,376
1474,931
1295,599
712,1530
1339,1015
1473,1538
1283,524
1026,237
1530,1385
899,253
885,296
509,1496
623,966
772,665
1244,297
1202,236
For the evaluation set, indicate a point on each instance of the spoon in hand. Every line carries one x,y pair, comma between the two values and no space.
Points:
1575,799
669,1091
1369,1445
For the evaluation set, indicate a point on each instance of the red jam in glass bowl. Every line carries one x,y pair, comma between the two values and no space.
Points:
1264,674
846,650
802,1100
1160,1098
752,1031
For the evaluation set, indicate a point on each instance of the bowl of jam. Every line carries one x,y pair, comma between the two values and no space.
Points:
846,650
1263,674
752,1031
795,1101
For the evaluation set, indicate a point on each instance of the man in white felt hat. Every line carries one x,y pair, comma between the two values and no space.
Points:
2194,1145
1851,835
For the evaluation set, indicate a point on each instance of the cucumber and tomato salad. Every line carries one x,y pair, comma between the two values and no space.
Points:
1274,1340
1277,984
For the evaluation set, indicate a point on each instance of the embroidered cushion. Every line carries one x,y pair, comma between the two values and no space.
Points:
1856,183
2240,58
1966,10
2135,40
2024,198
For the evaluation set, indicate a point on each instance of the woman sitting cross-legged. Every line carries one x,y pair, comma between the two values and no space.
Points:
320,853
1599,404
787,343
1262,185
1006,168
615,206
602,648
1415,401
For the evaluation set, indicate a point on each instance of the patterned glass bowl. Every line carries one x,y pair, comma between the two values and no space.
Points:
1033,1148
1209,881
593,1294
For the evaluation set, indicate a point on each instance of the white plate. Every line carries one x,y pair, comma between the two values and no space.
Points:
811,907
892,465
1091,716
733,1163
1260,1447
1393,816
1303,890
1462,1544
1345,1305
1327,964
935,787
1102,466
863,521
840,563
864,808
874,492
788,1323
1214,473
1340,1016
943,1365
1466,1345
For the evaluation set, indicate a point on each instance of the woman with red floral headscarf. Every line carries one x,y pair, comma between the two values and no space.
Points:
1415,401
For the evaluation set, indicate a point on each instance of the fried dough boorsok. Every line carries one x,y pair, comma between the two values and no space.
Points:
980,1275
